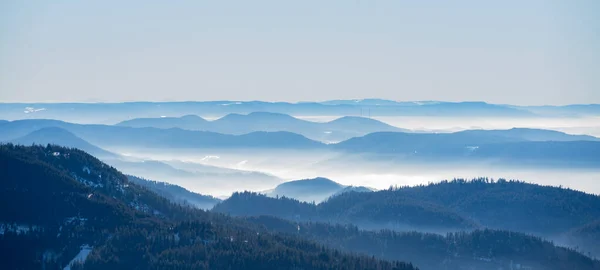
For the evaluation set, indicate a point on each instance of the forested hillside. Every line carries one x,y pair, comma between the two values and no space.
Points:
176,194
457,204
480,249
60,205
564,215
402,213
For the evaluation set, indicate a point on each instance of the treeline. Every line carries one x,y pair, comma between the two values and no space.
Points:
561,214
55,200
176,194
203,245
480,249
393,214
449,205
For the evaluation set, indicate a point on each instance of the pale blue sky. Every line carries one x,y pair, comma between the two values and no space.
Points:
510,51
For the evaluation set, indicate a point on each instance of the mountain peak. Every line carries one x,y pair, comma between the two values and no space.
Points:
62,137
257,115
192,117
315,189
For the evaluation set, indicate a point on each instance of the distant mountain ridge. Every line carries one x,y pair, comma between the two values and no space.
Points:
315,189
532,134
480,199
336,130
407,214
107,135
176,194
477,250
113,112
84,205
523,147
446,206
502,147
62,137
202,175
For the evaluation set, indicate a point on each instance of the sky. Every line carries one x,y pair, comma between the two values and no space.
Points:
519,52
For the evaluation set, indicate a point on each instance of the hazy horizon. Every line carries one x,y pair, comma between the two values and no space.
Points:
510,52
308,134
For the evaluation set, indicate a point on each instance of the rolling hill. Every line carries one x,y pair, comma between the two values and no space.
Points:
62,137
337,130
113,112
515,147
476,250
316,189
442,207
84,205
119,136
60,206
399,214
176,194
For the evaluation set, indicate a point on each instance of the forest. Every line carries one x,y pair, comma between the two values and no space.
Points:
56,202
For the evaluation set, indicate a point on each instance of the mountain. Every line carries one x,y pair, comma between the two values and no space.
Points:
441,207
259,121
176,194
312,190
530,134
316,189
500,147
360,125
227,180
399,142
147,168
520,147
62,137
207,179
87,209
86,212
418,143
479,249
568,154
119,136
78,200
573,110
476,250
542,210
363,102
113,112
337,130
19,128
401,214
191,122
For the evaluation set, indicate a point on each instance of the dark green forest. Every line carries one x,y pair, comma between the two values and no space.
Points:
445,206
69,199
55,200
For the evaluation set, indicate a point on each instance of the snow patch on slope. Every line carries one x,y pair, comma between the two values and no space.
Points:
80,257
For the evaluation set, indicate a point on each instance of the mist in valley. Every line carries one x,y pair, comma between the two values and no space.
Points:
350,170
584,125
390,135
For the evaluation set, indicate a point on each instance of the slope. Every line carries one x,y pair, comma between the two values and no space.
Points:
176,194
337,130
119,136
81,202
316,189
62,137
401,214
477,250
